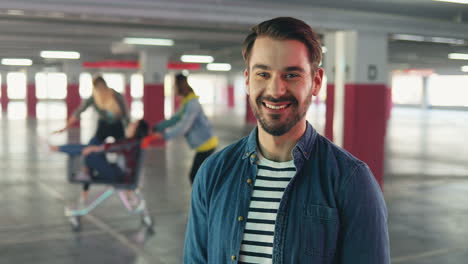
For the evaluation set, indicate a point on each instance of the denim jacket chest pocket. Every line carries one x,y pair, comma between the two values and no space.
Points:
319,230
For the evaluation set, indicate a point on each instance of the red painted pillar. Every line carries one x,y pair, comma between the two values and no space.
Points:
329,106
230,95
249,115
4,99
365,124
73,100
31,100
153,105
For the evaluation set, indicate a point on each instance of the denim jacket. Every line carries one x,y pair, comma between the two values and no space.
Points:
189,121
332,211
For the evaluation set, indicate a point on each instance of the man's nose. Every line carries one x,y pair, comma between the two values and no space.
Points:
277,86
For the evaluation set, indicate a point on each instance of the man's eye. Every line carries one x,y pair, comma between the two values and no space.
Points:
263,74
291,75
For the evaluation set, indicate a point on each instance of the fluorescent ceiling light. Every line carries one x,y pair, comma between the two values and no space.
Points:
418,38
197,58
15,12
408,37
458,56
464,68
17,62
447,40
149,41
52,54
454,1
218,67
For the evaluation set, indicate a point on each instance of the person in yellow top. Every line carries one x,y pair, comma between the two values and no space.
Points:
191,122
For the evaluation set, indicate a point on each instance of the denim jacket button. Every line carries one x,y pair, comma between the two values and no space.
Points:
233,258
253,156
240,218
249,181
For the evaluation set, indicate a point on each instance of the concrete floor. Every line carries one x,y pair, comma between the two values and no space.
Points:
426,183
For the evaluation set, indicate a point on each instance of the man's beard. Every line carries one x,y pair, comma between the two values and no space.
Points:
280,128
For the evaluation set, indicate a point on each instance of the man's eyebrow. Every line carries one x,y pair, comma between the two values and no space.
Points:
294,68
260,66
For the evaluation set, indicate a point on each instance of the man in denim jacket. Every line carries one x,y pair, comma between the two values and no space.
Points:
328,207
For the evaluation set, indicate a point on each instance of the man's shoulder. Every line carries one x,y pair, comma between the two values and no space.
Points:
192,104
229,152
216,168
335,153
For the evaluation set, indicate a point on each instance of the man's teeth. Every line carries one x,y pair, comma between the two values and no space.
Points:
275,107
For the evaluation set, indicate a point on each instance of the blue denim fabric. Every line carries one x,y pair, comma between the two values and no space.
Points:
191,122
72,149
95,161
332,211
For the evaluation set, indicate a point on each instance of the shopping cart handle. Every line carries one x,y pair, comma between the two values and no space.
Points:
149,140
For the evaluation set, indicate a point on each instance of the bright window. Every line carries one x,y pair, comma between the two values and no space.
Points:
407,89
16,82
204,86
115,81
51,85
16,110
136,112
448,90
51,110
86,85
136,85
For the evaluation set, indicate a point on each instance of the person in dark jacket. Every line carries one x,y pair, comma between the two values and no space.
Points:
113,116
97,166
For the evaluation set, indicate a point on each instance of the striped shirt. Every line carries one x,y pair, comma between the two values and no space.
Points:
272,179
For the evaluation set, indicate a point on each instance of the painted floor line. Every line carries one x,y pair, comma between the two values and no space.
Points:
103,226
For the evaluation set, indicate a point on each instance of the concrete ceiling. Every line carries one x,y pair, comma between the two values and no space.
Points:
96,28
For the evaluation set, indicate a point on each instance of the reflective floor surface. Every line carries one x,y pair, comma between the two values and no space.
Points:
426,189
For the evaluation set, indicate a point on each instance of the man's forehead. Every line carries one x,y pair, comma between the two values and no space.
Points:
279,53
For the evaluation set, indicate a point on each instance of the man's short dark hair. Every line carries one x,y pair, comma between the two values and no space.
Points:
180,77
285,28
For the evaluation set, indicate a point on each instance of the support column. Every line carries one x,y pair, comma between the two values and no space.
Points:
230,96
249,115
4,98
231,100
73,100
31,98
154,69
425,94
361,96
128,92
329,67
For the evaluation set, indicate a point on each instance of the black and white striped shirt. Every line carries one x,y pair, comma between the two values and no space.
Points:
272,179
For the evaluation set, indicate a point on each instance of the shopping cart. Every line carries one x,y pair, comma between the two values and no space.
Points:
135,205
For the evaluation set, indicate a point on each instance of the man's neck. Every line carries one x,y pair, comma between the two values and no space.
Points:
279,148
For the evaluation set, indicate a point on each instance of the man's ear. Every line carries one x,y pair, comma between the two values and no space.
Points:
246,76
317,81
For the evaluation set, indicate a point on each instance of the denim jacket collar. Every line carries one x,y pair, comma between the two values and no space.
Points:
303,146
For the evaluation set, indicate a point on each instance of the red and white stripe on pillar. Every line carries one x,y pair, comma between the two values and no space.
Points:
31,100
4,98
358,98
73,100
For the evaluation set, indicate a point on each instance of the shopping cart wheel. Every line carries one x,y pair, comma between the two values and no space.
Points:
146,219
75,222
